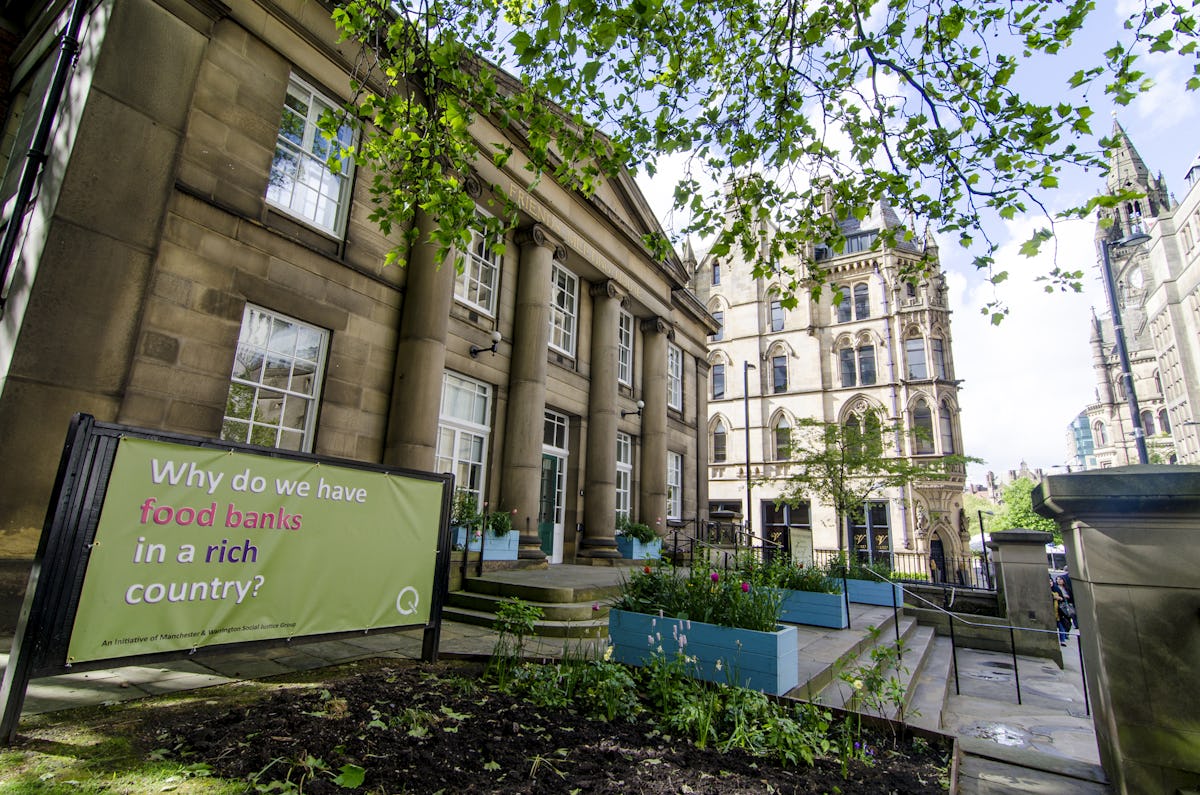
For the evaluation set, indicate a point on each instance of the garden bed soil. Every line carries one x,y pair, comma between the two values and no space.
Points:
417,728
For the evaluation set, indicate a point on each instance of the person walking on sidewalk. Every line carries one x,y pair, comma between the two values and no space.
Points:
1064,608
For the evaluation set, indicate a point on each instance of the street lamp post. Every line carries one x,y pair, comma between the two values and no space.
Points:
1110,292
746,368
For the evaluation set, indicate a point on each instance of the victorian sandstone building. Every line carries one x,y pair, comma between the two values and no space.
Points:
189,263
1155,264
881,357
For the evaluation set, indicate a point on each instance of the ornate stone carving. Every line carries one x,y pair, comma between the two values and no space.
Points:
655,325
607,289
472,186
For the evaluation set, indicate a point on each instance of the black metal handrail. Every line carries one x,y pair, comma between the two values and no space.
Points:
974,571
1012,637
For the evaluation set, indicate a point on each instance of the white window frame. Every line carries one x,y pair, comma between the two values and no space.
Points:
479,281
564,310
674,485
464,433
305,200
674,377
278,341
625,348
624,486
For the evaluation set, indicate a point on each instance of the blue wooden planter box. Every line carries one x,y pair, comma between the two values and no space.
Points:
869,592
496,547
764,661
814,608
635,550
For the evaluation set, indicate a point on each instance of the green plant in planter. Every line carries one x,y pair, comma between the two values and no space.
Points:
856,569
465,509
780,573
499,523
700,594
635,530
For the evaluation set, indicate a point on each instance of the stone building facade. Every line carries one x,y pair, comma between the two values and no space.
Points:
1152,256
883,352
190,263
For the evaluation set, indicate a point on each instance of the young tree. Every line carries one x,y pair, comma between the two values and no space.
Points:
1017,511
846,465
799,114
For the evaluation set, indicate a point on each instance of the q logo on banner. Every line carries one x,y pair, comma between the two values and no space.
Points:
407,601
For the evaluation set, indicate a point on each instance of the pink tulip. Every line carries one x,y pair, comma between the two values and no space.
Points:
715,576
745,587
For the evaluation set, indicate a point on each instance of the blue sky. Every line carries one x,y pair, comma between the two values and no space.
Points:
1027,378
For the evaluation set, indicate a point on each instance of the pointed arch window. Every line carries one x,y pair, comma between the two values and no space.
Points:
1148,422
1100,434
946,426
779,373
862,302
718,382
845,306
776,315
866,365
914,353
872,434
938,351
922,428
719,316
719,443
852,436
1164,424
782,437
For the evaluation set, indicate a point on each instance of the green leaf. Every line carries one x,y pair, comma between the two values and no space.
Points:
350,777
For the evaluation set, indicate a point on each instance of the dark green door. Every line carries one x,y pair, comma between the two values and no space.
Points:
547,508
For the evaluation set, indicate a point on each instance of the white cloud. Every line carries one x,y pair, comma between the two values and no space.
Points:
1027,378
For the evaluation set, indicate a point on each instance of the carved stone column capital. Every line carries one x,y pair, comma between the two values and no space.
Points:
655,325
607,289
539,235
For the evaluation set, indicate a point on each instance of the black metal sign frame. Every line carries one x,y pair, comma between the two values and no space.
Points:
56,579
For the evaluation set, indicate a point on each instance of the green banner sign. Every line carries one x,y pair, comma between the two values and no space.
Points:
198,547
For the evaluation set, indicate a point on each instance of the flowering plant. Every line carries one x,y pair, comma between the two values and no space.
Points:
465,509
786,574
700,595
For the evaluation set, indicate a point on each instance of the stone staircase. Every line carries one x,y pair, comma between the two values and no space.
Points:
825,654
574,604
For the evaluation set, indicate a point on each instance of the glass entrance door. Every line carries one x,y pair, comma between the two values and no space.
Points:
548,504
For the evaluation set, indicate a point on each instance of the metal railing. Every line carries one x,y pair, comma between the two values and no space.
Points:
722,543
1012,638
975,572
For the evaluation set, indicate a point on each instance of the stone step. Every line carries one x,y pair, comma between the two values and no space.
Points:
822,651
551,611
506,584
932,686
591,628
917,642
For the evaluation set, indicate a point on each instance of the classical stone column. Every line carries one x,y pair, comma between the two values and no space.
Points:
420,356
1132,536
600,490
653,494
520,480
